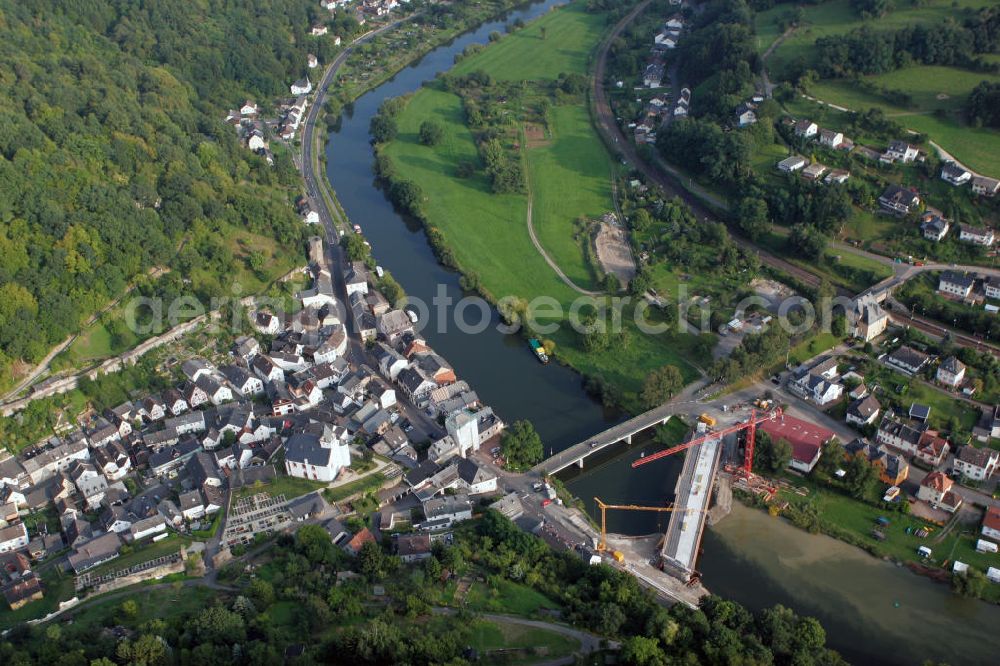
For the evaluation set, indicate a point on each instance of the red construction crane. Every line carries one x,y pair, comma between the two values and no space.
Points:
750,426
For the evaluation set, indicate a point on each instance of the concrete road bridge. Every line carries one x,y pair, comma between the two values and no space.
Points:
623,432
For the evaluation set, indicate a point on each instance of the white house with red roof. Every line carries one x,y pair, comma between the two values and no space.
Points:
991,523
807,440
935,489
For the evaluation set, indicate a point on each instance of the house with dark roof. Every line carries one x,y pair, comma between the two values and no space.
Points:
97,551
934,227
318,455
898,200
954,283
863,411
898,434
907,360
976,235
413,547
975,463
951,372
955,174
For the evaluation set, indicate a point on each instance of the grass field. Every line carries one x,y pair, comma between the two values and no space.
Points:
571,34
570,177
535,642
836,17
571,173
508,597
289,486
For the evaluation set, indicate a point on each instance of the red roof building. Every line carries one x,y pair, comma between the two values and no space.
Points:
807,439
991,523
359,540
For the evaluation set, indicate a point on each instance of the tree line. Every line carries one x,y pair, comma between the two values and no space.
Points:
867,50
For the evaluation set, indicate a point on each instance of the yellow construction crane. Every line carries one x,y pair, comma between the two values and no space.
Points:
602,546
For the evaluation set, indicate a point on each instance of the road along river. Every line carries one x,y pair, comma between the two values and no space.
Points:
749,557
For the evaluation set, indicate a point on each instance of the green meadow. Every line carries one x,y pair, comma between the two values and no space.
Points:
569,173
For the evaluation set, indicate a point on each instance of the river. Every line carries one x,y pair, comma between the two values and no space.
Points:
749,557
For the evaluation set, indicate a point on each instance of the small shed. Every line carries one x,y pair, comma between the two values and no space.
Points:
923,551
984,546
993,574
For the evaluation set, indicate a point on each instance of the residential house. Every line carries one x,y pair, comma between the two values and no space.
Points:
413,547
302,87
746,114
194,368
356,278
900,151
991,286
202,470
153,408
934,227
932,449
986,187
898,200
831,138
266,369
907,360
892,469
935,489
475,479
191,505
819,383
443,512
90,483
112,460
393,324
955,174
185,423
793,163
318,454
13,537
806,129
415,385
975,463
245,347
94,552
194,395
869,319
976,235
991,523
837,177
174,402
951,372
147,527
899,434
265,323
956,284
863,411
56,458
813,171
245,384
652,77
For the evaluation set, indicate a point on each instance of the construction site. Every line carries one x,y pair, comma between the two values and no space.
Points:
715,462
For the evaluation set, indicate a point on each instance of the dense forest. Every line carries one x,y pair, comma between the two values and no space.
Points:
113,150
299,598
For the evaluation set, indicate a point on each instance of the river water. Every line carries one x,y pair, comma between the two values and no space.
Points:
749,557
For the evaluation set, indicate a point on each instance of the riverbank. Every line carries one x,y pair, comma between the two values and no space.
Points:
816,509
482,233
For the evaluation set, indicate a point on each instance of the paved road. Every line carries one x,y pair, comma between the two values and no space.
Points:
663,175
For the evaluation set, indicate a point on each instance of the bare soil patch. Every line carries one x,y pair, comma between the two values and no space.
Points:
614,253
534,135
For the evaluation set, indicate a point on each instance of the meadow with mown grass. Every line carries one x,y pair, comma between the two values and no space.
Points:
568,174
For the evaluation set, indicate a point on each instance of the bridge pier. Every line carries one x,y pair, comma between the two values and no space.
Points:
579,463
628,439
664,421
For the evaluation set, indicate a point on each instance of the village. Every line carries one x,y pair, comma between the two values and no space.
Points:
244,449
